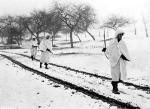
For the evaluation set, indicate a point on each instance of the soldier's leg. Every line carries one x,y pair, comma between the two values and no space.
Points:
32,57
40,64
115,87
46,66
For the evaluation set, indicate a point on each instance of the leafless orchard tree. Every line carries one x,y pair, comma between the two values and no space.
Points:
6,23
3,26
20,30
70,18
114,22
75,18
36,23
12,29
88,19
54,24
41,22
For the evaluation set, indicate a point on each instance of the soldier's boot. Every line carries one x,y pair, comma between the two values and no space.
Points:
40,64
46,66
115,87
32,57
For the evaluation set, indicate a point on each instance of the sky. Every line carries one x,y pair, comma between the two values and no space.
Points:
133,8
19,7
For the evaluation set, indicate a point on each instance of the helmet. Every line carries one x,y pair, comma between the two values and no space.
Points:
119,32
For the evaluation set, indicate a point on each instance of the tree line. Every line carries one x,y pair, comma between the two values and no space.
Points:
69,19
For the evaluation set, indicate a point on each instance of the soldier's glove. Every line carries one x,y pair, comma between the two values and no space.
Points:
47,49
104,50
124,58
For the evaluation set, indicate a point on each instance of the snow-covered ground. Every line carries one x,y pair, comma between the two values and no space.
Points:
23,88
20,89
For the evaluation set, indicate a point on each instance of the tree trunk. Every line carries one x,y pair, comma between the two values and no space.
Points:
146,31
20,39
134,29
90,34
145,27
53,37
18,42
71,38
2,39
37,37
77,36
52,41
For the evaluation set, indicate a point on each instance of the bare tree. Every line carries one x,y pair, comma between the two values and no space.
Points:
7,22
88,18
3,26
75,18
53,23
26,21
114,22
36,23
70,17
76,34
12,29
20,30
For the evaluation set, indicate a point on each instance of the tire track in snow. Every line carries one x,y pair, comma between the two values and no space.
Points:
90,93
139,87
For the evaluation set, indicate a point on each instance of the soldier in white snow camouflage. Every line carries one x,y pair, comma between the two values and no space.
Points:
46,51
118,55
34,48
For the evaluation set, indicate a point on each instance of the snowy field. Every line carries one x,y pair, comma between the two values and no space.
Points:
21,89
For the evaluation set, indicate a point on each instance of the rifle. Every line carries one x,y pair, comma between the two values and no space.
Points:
105,44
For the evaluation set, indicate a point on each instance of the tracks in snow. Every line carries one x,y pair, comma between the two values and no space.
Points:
139,87
88,92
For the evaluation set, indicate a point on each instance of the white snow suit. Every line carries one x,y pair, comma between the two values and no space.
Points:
118,65
45,55
34,48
